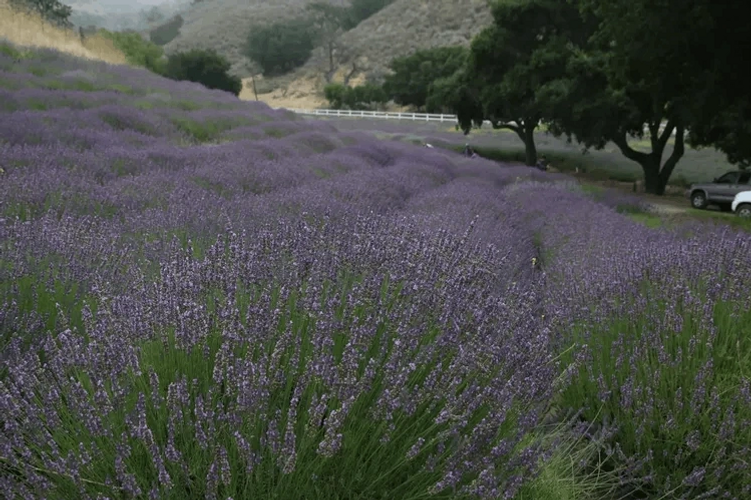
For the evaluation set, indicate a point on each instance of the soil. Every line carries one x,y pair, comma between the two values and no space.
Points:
298,94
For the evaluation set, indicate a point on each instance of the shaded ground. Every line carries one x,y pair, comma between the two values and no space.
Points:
606,169
607,164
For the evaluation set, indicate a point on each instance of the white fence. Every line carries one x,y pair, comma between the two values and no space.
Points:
423,117
415,117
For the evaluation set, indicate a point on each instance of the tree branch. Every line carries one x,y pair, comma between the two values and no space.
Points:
630,153
678,150
665,136
504,125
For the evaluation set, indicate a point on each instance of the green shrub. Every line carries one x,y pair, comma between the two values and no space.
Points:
165,33
205,67
413,77
9,50
334,93
363,97
282,46
137,51
363,9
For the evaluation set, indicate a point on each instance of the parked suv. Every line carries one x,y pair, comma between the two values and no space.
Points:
742,204
721,191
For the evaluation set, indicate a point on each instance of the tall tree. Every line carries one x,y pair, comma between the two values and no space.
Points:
412,76
722,107
281,46
509,61
641,70
204,66
328,21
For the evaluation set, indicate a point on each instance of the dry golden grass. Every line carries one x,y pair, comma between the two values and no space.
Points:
299,94
27,30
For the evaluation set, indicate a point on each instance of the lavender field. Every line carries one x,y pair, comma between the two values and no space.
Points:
206,298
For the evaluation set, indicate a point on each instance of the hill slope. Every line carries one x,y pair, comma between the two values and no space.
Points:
224,25
401,29
119,14
398,30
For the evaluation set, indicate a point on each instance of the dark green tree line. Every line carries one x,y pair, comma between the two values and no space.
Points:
610,71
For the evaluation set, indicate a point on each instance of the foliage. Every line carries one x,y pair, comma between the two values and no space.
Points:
508,62
138,51
361,97
205,67
629,76
152,15
722,109
329,21
412,76
363,9
166,32
281,46
52,11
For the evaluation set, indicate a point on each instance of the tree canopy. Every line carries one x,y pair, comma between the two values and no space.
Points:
167,31
610,71
412,76
328,22
281,46
722,105
655,70
364,97
508,62
205,67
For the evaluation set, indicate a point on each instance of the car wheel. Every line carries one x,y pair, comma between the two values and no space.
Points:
744,210
698,200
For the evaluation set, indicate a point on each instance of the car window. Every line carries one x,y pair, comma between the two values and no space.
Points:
745,178
729,178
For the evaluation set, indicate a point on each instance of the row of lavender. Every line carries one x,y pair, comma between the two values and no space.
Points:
226,302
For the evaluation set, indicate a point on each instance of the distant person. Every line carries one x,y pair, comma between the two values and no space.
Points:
542,163
428,145
468,151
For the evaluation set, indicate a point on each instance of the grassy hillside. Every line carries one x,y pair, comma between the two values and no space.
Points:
117,15
26,30
402,28
224,25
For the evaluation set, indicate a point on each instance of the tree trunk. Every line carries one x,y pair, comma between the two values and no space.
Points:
525,129
527,135
656,175
651,167
331,56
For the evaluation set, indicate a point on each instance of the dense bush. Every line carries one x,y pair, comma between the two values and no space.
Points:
363,9
138,51
281,46
165,33
205,67
363,97
412,77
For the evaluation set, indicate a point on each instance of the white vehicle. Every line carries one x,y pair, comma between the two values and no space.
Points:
742,204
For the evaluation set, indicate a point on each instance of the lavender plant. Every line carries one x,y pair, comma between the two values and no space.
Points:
204,298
